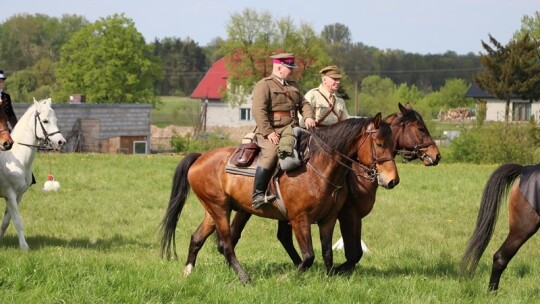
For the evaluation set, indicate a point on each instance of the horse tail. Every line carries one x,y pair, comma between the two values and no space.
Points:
179,193
496,188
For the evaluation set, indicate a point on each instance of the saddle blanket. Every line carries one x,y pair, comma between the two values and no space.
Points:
529,185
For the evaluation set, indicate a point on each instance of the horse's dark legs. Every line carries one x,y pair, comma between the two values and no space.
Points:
285,237
205,229
326,229
524,223
302,231
350,226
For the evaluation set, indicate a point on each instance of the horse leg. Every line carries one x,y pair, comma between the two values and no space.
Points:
524,223
350,227
285,237
240,220
205,229
326,229
221,220
302,231
5,223
13,209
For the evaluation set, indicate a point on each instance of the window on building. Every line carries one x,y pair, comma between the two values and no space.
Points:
140,147
245,114
521,111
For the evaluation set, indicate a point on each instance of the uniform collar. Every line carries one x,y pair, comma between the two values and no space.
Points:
280,80
325,91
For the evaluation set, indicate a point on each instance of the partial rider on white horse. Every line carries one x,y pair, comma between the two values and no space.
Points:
37,128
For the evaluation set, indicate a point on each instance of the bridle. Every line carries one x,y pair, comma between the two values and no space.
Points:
417,150
45,141
370,173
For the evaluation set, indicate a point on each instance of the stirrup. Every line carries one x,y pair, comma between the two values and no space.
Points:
261,200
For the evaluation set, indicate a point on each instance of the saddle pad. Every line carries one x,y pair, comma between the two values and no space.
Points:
247,171
529,185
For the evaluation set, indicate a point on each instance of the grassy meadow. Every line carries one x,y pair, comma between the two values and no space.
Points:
97,240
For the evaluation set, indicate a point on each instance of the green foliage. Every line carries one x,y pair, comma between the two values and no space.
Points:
109,62
511,70
27,38
201,143
530,25
495,143
184,64
254,36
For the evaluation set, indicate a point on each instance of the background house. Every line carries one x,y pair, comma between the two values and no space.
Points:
520,110
215,111
104,128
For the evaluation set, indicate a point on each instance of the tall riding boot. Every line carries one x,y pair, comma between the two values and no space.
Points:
262,178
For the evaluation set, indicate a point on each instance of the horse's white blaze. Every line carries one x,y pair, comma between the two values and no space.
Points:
16,164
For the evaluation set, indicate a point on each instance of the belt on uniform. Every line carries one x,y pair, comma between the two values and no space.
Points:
277,114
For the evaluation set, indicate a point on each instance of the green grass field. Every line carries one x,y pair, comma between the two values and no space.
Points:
172,110
97,241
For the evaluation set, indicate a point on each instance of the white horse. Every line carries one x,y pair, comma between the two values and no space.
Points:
36,128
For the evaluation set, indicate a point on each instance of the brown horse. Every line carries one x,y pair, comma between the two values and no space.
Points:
6,142
524,220
312,194
411,139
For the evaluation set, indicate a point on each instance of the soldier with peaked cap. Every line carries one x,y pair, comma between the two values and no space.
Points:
275,105
327,107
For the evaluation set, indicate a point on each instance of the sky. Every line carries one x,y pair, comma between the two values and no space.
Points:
415,26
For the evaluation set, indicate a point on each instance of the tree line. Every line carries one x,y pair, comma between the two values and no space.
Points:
109,61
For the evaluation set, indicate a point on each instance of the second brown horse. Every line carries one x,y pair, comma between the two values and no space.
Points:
411,139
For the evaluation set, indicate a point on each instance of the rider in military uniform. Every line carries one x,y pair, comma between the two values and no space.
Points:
276,102
328,108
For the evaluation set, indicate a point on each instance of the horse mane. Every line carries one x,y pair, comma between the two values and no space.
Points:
339,136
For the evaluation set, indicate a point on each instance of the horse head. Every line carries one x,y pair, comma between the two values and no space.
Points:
378,152
45,122
6,142
411,136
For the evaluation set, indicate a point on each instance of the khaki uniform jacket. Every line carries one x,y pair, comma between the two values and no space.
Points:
269,96
320,106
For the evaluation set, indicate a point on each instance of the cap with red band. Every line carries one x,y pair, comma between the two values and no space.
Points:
287,59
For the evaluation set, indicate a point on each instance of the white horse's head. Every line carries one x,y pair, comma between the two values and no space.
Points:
46,124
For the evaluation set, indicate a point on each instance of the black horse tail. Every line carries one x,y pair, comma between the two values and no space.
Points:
179,193
496,188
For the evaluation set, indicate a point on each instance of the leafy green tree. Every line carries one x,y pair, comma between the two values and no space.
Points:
253,37
184,64
26,39
530,25
451,95
109,62
337,39
511,70
376,95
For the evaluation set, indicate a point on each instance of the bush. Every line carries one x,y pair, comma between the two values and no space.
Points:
200,143
495,143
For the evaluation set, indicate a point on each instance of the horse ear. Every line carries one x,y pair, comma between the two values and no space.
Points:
35,101
402,109
378,119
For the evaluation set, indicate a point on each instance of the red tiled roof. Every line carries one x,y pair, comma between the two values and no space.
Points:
213,82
